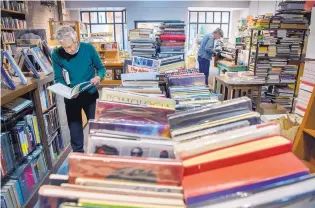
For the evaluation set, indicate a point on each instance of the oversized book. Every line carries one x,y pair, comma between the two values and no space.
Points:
136,98
242,177
187,80
146,170
69,92
115,112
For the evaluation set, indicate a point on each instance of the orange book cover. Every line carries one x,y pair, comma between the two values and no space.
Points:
242,177
147,170
236,154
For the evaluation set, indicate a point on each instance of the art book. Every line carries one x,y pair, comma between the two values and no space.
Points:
113,111
114,95
146,170
69,92
145,62
15,68
134,147
42,60
149,129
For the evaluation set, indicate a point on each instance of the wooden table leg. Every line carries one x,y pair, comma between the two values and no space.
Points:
229,95
215,85
258,98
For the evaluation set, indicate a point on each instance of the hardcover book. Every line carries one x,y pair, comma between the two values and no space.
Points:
42,60
16,69
145,62
245,177
136,69
134,147
111,111
187,80
148,170
136,98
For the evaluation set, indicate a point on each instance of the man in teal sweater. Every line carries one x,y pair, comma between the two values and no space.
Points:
82,63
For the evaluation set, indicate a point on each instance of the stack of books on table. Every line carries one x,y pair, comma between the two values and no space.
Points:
284,97
306,88
288,75
172,63
142,42
189,91
173,38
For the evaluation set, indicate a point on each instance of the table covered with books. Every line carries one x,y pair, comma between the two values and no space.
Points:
235,86
229,66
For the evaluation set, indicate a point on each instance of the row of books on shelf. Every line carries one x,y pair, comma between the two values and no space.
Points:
306,88
56,146
31,61
187,164
10,23
18,187
13,5
47,98
7,37
51,120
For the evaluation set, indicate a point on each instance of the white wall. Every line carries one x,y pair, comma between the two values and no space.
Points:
261,7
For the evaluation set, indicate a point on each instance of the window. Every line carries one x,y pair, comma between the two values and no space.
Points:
204,22
112,22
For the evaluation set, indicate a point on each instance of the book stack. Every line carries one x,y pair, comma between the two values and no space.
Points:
172,64
189,91
284,97
13,5
262,21
306,88
173,38
7,37
142,42
10,23
18,187
288,75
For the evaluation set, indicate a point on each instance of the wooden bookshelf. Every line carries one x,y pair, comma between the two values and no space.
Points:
33,89
304,143
11,11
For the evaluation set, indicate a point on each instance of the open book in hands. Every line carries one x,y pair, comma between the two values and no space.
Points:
69,92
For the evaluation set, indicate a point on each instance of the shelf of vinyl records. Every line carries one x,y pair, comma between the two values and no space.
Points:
31,135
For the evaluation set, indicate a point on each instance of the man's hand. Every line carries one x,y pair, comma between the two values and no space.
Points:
95,80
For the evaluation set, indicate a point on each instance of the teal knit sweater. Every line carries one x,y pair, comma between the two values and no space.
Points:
81,68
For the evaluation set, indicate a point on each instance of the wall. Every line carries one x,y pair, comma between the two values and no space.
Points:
38,16
155,10
261,7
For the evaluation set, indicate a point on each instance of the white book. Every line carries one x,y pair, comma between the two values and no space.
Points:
68,92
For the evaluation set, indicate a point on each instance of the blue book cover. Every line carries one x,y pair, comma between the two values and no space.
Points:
42,60
146,62
7,80
19,192
15,67
29,64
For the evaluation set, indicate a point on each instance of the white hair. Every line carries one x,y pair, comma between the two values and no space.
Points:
220,31
66,32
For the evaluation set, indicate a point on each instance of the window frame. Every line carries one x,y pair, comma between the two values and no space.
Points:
207,23
114,23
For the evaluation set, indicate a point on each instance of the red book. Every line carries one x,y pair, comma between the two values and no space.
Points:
147,170
174,44
240,153
242,177
172,37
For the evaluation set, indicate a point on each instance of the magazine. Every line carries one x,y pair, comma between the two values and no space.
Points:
68,92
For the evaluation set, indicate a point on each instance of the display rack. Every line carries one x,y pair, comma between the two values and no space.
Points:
33,89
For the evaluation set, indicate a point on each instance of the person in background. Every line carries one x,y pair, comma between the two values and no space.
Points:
157,46
73,63
206,50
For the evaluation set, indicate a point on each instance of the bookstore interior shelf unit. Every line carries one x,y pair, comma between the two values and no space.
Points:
30,147
12,18
276,55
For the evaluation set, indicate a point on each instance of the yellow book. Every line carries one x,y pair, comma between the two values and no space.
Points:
35,124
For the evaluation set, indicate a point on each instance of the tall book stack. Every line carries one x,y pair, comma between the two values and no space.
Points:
142,42
173,38
306,88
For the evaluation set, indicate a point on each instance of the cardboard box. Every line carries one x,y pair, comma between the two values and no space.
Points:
267,109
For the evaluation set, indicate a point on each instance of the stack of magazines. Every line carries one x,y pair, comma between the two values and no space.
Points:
222,157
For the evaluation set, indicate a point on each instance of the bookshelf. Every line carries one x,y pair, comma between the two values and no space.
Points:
32,91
